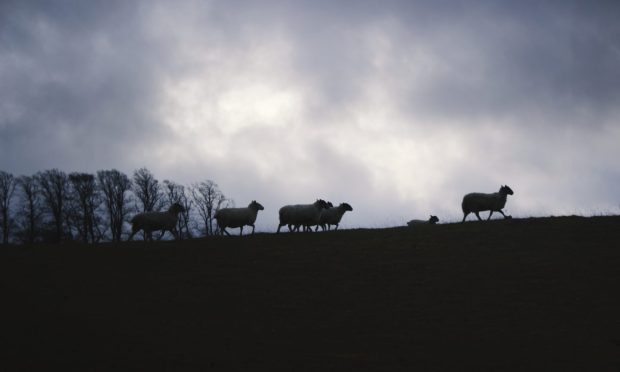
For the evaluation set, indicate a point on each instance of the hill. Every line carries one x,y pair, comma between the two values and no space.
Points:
523,294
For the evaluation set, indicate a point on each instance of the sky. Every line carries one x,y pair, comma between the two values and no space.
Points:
397,107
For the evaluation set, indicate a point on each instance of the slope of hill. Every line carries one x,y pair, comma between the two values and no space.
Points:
527,294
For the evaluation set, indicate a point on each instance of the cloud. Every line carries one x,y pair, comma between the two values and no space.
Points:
397,107
80,86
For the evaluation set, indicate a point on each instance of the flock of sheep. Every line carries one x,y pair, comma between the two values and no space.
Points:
318,214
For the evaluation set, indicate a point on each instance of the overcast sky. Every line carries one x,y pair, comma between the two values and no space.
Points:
397,107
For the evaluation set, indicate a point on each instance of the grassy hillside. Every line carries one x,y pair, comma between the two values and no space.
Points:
529,294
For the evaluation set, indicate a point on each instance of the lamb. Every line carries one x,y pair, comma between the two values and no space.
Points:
478,202
431,221
238,217
301,214
332,216
157,221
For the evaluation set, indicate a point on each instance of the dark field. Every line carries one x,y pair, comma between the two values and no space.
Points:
531,294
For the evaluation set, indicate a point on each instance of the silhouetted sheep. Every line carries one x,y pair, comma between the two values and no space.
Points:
309,227
238,217
431,221
157,221
332,216
478,202
301,214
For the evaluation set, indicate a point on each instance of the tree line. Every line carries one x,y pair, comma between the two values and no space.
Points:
53,206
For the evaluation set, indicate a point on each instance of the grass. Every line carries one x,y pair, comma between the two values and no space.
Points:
521,294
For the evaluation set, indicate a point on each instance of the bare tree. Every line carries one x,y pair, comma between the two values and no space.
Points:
114,185
72,215
7,188
175,193
208,199
31,210
54,189
146,189
86,197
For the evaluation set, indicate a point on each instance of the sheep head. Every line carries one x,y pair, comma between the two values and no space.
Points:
176,208
256,206
506,190
321,204
346,207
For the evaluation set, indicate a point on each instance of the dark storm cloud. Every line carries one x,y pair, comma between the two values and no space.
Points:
77,79
474,59
67,59
556,58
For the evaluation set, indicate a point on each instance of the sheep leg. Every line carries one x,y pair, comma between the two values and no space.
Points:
252,229
240,230
336,228
490,214
280,225
478,215
500,211
464,216
317,228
